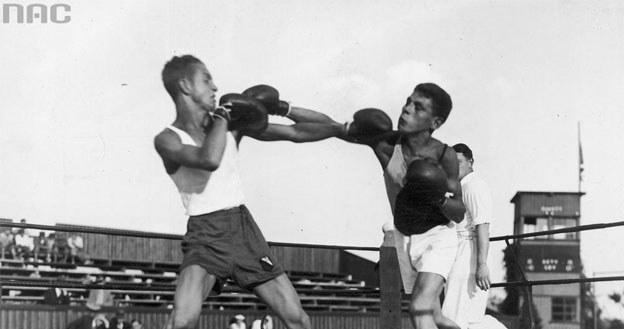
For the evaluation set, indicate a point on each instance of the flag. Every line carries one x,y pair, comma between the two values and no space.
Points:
580,157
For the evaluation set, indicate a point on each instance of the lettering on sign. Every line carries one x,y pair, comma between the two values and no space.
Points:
551,209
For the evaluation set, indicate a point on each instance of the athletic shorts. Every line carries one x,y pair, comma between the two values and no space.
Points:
433,251
229,245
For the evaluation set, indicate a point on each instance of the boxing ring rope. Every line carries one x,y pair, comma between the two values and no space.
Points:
390,282
139,234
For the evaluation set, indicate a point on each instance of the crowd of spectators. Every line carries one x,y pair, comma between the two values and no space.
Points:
26,244
96,319
238,322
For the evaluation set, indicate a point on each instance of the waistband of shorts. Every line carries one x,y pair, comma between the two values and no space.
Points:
228,211
468,235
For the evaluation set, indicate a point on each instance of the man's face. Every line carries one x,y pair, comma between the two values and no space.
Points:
417,115
203,88
465,165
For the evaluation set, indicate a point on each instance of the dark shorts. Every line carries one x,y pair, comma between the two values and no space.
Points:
229,245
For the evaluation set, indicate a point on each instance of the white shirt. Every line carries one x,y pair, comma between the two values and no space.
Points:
24,241
478,201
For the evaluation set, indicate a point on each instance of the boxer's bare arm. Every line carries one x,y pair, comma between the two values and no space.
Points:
453,208
300,114
383,147
207,157
299,132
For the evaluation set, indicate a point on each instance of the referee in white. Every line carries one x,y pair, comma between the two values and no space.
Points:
466,292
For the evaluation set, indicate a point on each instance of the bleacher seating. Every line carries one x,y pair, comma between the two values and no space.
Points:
142,284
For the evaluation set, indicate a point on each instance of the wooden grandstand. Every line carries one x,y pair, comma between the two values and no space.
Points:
145,284
335,287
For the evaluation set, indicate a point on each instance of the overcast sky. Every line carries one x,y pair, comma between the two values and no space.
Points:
82,102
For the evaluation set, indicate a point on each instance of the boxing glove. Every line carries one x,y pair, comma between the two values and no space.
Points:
245,113
429,179
368,123
417,206
269,97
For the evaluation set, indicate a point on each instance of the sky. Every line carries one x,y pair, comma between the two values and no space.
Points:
82,102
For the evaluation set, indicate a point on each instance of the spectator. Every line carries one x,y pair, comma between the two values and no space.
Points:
23,244
6,242
30,232
41,245
56,296
76,245
99,297
136,324
60,247
119,321
238,322
90,321
265,322
50,247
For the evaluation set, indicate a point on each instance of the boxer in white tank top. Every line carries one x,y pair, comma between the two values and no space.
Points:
200,153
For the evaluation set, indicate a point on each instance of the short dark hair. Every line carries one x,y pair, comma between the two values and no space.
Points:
175,69
441,100
463,149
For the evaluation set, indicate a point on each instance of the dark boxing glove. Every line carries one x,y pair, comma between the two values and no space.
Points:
430,179
246,113
269,97
417,206
367,123
222,113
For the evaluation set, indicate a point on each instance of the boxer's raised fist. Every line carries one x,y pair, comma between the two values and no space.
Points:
246,113
269,97
367,123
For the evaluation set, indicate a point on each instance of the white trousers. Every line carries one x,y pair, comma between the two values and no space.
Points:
464,302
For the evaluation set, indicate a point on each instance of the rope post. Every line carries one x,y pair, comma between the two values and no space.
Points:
389,284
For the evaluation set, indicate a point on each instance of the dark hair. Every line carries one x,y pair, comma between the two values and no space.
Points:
175,69
463,149
441,100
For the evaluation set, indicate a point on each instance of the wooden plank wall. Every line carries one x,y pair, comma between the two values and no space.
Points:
105,246
122,248
308,259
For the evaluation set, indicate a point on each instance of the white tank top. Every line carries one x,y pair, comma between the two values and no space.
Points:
204,191
394,174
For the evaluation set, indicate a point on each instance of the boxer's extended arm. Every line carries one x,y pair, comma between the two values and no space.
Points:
299,132
453,207
483,242
207,157
300,114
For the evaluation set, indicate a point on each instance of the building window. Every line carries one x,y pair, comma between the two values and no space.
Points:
540,224
563,309
559,223
536,224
